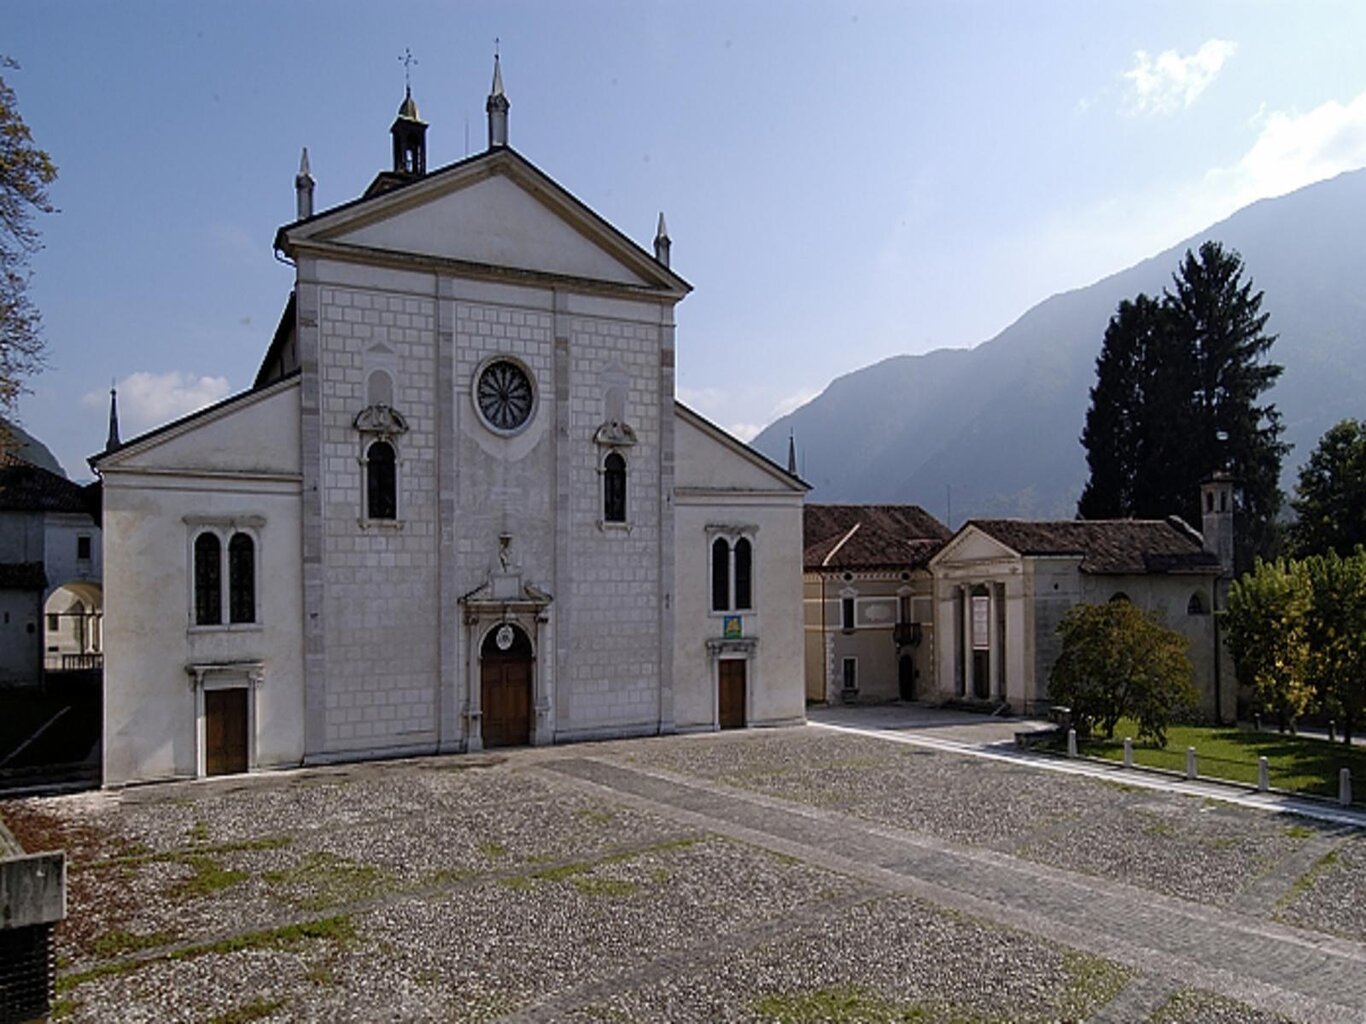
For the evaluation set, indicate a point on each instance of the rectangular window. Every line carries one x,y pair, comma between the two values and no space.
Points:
847,613
981,616
903,606
53,623
851,673
83,548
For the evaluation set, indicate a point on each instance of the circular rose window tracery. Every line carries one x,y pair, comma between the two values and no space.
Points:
504,395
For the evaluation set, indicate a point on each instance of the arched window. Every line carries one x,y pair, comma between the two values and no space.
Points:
614,488
241,579
1119,597
208,580
744,574
381,484
1196,605
720,575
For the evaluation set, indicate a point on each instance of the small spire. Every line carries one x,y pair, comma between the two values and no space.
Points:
791,453
497,105
303,188
662,241
113,440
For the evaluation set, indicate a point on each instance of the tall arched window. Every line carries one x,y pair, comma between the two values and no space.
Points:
208,580
381,483
720,575
614,488
744,574
241,579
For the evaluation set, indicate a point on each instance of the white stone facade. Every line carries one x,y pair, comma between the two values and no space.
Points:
380,643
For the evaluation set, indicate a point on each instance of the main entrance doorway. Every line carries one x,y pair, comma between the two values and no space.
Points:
505,666
730,711
225,731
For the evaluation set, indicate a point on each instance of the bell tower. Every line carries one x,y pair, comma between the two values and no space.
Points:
1216,518
410,139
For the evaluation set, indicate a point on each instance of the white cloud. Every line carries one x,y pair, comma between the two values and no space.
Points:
148,400
1293,150
1170,82
745,431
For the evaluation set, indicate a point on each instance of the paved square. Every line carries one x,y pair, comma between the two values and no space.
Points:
789,875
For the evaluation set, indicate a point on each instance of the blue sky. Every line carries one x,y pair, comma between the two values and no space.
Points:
843,182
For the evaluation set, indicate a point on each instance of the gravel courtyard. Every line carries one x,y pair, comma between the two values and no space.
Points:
793,875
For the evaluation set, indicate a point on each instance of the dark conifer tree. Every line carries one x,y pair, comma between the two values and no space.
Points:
1177,392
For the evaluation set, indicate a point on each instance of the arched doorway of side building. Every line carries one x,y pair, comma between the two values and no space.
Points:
506,667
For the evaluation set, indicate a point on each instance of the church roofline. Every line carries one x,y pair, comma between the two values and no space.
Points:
139,444
740,447
501,159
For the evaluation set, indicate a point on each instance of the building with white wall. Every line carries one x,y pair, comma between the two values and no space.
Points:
459,508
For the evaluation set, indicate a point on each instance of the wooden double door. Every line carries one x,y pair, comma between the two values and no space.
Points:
730,704
505,690
225,731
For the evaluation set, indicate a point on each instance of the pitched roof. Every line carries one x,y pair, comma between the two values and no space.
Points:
1108,546
869,537
25,487
22,576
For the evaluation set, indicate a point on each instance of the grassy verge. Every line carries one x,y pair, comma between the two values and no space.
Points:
1300,764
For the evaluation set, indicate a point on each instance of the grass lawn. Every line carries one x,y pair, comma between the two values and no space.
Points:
1297,763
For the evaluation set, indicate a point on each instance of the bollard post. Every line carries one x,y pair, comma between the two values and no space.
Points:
1332,731
1256,723
1190,762
1071,742
1345,787
1128,752
1263,775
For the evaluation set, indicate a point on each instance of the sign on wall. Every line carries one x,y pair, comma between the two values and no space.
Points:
732,628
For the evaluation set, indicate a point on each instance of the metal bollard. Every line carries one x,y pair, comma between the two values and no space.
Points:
1263,775
1190,762
1071,742
1332,731
1128,752
1345,787
1256,723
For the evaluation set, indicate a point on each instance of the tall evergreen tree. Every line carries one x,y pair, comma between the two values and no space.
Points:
1178,384
1330,499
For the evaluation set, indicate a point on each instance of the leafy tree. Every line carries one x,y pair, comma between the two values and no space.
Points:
25,173
1336,635
1119,661
1177,398
1330,500
1267,625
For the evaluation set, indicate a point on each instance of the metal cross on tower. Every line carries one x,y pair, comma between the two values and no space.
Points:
408,61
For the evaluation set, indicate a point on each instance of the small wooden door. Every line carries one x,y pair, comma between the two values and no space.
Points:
225,731
505,689
731,700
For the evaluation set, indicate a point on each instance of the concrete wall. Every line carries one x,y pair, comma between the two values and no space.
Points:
21,637
151,728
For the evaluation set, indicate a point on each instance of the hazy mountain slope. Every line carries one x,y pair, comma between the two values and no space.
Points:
999,423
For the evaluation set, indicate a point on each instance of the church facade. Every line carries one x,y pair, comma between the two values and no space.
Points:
460,506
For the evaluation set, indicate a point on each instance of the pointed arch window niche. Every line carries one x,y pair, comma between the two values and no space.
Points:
224,563
381,427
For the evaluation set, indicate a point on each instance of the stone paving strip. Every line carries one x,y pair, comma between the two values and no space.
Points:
1280,969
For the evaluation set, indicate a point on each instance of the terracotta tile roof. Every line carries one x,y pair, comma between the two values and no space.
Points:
869,537
1108,546
25,487
22,576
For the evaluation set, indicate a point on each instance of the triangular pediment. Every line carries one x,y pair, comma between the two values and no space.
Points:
496,211
971,544
708,458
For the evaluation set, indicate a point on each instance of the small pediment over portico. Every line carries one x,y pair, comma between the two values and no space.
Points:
971,546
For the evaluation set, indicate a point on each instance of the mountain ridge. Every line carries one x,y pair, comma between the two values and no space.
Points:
998,424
